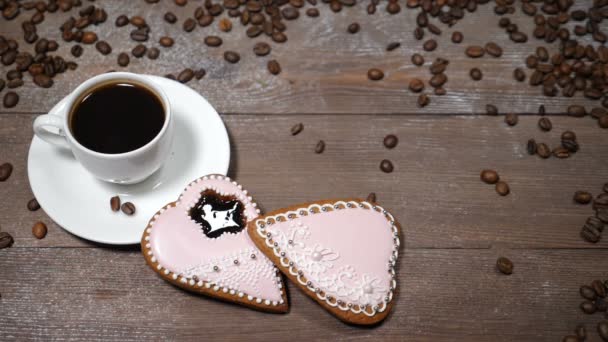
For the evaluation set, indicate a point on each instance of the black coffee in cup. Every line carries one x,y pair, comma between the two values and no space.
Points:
117,118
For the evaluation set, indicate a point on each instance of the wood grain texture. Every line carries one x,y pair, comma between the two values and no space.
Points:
435,191
324,67
444,295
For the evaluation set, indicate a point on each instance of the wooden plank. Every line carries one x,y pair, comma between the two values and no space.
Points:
445,295
324,67
434,191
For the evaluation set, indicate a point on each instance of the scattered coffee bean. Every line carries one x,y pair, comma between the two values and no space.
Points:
511,119
531,147
153,53
390,141
519,75
354,28
592,230
545,124
6,170
115,203
603,121
457,37
577,111
543,150
493,49
375,74
417,59
297,128
423,100
502,188
6,240
128,208
200,73
599,288
166,41
123,59
430,45
39,230
476,74
568,338
76,50
274,67
225,25
386,166
416,85
392,46
371,198
103,47
475,51
261,49
587,292
581,333
170,17
491,110
89,37
122,20
518,37
232,57
139,50
588,307
602,330
185,75
312,12
320,147
418,33
32,205
504,265
438,80
489,176
189,25
561,152
582,197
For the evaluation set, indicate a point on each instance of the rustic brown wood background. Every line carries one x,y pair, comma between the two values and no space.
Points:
455,227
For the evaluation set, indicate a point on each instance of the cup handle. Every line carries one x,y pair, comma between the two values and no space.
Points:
49,120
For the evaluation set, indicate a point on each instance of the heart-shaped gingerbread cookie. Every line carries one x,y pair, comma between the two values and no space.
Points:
200,243
342,253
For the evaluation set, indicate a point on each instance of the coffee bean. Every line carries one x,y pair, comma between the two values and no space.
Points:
128,208
371,198
166,41
588,307
561,152
279,37
225,25
103,47
491,109
14,83
320,147
545,124
43,81
592,230
189,25
519,75
89,37
386,166
181,2
392,46
576,111
138,21
531,147
518,37
438,80
423,100
502,188
475,51
122,20
602,330
603,121
11,99
605,188
274,67
457,37
429,45
32,205
39,230
511,119
587,292
476,74
6,240
504,265
599,288
139,50
115,203
290,13
417,59
601,305
582,197
375,74
312,12
390,141
581,332
153,53
570,145
170,17
489,176
76,50
139,35
418,33
232,57
416,85
213,41
261,49
185,76
493,49
393,8
601,201
354,28
297,128
433,29
200,73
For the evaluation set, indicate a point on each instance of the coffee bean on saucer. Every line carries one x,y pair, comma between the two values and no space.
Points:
375,74
6,240
261,49
166,41
153,53
392,46
103,47
274,67
123,59
386,166
502,188
32,205
128,208
297,128
371,198
582,197
39,230
489,176
115,203
5,171
504,265
511,119
390,141
320,147
185,76
231,57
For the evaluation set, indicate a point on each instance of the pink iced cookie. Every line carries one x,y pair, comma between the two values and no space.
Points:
341,253
200,243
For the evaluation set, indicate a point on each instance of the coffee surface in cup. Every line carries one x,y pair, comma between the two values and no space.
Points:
117,118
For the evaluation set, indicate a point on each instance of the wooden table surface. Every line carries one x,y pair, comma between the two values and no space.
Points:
454,226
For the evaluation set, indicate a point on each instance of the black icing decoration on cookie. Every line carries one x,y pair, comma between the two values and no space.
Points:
217,214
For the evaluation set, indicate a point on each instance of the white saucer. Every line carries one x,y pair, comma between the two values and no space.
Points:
80,203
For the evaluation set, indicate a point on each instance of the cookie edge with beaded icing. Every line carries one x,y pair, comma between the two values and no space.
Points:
345,316
190,285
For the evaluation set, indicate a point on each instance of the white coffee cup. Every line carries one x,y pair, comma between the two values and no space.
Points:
122,168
